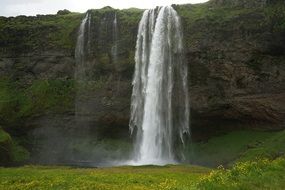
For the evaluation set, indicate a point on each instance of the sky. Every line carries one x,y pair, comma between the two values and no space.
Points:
34,7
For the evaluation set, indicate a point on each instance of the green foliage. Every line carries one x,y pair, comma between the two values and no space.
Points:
66,36
63,12
275,15
271,147
9,101
48,95
131,16
224,149
200,15
10,150
21,34
42,96
260,174
116,178
5,147
18,153
5,138
207,21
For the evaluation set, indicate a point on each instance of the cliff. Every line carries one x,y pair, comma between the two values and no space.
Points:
235,51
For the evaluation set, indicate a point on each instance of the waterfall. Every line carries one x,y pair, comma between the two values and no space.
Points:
96,38
83,73
159,108
83,48
115,40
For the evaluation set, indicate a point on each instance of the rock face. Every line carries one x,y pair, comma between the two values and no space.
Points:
237,67
30,67
236,57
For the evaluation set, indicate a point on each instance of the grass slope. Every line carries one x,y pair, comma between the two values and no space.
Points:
224,149
251,175
272,147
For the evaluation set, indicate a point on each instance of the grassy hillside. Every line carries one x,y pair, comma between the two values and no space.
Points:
236,146
260,174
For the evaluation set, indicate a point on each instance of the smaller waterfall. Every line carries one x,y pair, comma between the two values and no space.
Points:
79,49
83,71
159,109
83,48
115,39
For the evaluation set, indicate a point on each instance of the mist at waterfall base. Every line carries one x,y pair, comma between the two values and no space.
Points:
159,104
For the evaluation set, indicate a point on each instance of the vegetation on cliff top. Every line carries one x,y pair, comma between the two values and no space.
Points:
24,34
252,19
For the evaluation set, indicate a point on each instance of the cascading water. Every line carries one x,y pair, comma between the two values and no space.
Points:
115,40
97,38
82,50
79,49
159,110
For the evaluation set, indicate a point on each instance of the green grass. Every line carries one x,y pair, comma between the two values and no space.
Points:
141,178
224,149
260,174
271,147
260,166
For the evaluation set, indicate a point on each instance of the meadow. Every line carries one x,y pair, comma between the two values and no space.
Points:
256,162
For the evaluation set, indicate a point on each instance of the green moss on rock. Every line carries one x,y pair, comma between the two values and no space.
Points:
42,96
47,95
10,151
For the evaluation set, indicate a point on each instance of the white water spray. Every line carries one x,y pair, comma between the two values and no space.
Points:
159,110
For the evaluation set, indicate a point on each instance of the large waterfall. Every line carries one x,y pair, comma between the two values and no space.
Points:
160,107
